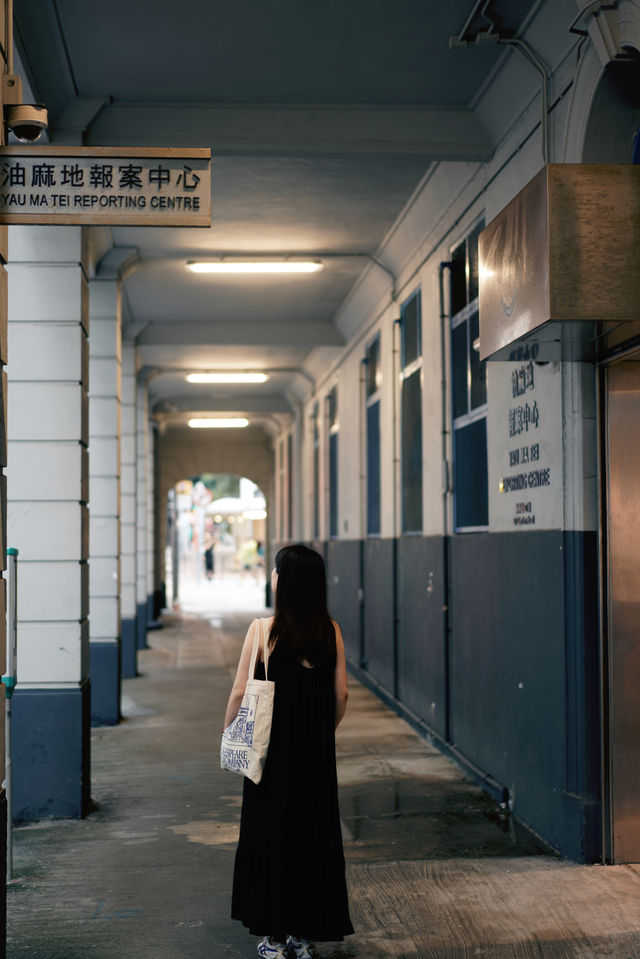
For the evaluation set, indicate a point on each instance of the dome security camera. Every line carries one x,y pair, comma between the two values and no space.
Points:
27,121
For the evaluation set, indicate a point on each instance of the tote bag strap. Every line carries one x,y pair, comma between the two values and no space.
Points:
265,646
258,641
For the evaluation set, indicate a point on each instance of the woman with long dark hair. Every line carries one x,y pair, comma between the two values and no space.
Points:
289,878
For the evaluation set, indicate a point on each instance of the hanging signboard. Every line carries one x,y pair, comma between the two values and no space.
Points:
110,186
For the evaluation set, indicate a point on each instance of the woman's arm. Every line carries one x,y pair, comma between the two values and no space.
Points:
242,675
342,688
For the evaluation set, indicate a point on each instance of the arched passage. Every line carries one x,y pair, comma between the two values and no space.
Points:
183,452
604,108
614,118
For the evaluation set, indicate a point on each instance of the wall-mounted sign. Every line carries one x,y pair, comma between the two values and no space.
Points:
105,186
524,438
564,251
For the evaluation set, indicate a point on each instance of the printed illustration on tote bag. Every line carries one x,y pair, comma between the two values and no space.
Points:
242,729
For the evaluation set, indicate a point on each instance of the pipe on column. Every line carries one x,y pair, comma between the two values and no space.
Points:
446,488
396,525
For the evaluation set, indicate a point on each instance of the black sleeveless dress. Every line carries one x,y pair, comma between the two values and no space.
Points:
289,875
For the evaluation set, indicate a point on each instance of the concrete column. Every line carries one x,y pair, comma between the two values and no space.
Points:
104,499
159,530
3,553
128,513
142,545
151,446
48,519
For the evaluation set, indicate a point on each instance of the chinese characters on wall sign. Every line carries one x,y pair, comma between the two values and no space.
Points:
525,443
85,185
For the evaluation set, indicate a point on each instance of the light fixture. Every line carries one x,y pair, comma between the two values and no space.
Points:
255,514
218,422
227,378
253,265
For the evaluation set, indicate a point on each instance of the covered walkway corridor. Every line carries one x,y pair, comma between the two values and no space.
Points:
410,319
433,869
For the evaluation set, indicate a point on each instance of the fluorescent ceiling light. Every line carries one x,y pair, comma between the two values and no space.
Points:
218,423
227,378
255,266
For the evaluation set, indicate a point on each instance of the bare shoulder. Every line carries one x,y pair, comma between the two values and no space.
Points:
338,631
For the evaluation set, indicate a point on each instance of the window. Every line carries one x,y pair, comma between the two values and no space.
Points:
290,486
280,466
316,471
333,427
411,414
373,386
469,391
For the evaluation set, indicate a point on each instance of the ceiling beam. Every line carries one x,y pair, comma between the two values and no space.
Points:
271,403
306,334
436,133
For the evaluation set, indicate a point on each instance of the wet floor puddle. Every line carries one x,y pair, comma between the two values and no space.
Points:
426,820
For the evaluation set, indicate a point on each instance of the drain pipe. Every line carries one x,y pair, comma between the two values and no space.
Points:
446,488
396,526
492,37
523,48
531,56
9,679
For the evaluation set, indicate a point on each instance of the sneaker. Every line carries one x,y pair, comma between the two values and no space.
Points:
269,950
301,948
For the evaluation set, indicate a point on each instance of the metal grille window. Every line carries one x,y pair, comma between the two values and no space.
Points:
373,391
411,414
316,470
469,391
333,428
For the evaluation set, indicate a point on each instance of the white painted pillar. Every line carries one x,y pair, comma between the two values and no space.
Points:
48,518
3,520
142,546
151,521
104,499
128,512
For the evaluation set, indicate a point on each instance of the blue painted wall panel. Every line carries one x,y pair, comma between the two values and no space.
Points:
343,584
508,679
141,621
378,611
421,647
50,737
105,683
520,677
128,648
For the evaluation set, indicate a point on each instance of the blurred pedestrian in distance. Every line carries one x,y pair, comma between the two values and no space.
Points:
209,558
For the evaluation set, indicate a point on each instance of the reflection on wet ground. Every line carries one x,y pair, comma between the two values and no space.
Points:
426,819
402,798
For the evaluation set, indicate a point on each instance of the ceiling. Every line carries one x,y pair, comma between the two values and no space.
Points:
322,120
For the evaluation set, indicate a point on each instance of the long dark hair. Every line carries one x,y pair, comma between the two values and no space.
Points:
302,625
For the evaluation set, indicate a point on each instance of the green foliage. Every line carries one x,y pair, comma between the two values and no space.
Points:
220,484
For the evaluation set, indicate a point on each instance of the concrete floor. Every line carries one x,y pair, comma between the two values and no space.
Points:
433,870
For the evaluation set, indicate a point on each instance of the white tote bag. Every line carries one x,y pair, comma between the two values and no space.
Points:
245,741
